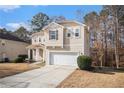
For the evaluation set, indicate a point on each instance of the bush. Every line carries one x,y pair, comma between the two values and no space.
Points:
84,62
23,56
6,59
19,60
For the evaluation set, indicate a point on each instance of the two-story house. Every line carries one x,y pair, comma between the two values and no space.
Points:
60,43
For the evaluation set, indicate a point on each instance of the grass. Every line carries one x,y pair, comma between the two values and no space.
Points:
8,69
95,79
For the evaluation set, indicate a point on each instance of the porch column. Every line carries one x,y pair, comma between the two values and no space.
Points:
28,53
37,54
43,55
34,54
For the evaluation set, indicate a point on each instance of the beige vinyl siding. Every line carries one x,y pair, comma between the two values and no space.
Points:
59,41
74,43
13,48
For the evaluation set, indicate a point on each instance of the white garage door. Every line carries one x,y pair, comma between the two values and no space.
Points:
64,58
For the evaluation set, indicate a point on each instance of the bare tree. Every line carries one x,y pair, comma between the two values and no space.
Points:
92,20
116,13
80,15
57,18
104,19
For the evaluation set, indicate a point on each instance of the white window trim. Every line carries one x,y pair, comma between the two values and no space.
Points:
78,32
54,34
67,35
39,40
69,30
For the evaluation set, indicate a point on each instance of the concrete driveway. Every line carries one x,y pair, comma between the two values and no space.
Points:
45,77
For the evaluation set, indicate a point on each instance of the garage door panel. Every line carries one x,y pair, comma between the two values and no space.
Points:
64,58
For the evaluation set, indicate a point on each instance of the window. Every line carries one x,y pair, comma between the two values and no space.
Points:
3,43
77,32
69,32
39,39
53,35
43,40
34,39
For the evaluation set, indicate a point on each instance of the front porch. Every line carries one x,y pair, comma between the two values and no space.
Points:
36,52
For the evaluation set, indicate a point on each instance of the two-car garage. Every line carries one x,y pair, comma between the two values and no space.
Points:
63,58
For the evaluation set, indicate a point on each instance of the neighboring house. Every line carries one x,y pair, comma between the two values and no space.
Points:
60,43
11,46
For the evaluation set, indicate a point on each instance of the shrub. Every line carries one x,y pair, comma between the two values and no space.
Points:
6,59
19,60
23,56
84,62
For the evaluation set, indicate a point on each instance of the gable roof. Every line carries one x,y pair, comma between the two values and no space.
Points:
50,24
37,33
71,21
62,22
8,36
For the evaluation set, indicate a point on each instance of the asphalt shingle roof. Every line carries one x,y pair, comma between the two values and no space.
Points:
9,36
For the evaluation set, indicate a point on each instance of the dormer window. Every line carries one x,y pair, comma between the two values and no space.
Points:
77,33
53,35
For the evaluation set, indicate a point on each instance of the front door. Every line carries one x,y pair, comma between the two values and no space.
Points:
31,54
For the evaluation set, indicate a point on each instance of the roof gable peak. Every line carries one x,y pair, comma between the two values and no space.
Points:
52,23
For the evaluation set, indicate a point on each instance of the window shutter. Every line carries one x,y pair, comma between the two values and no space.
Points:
57,35
49,35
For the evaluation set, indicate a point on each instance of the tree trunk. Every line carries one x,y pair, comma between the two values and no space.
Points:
102,49
105,48
116,43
